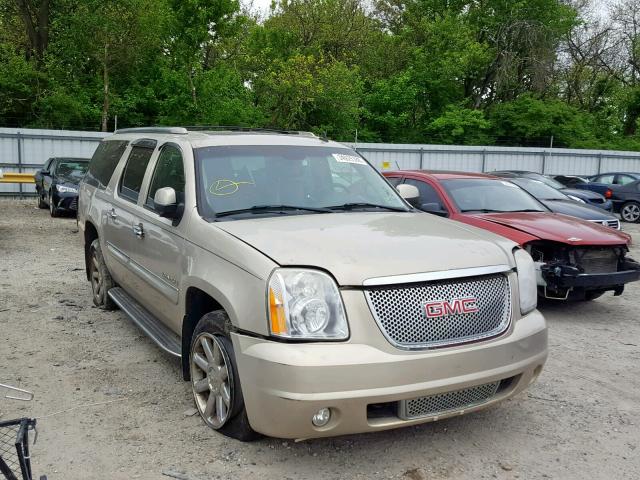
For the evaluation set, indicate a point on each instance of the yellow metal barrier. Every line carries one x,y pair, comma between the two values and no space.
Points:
10,177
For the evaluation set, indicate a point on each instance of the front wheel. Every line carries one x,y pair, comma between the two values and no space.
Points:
630,212
53,210
215,381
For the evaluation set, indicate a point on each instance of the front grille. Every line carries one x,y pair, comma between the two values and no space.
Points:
447,402
74,204
615,224
401,314
603,260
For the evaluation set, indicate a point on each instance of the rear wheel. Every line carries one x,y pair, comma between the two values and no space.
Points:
101,281
630,212
215,381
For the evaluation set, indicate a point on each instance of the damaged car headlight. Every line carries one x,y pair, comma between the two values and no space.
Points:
527,282
305,304
65,189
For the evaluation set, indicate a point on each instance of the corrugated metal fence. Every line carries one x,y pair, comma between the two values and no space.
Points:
25,150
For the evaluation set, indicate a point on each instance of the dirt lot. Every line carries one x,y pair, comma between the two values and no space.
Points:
110,405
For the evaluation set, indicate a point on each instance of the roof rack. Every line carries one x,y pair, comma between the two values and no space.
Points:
172,130
235,128
212,128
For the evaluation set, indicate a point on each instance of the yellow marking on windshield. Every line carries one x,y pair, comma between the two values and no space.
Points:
226,187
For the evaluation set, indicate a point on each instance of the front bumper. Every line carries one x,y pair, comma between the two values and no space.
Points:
566,277
65,201
284,384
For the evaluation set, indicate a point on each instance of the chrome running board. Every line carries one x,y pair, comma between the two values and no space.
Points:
156,330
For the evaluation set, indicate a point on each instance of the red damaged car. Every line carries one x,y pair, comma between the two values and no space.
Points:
575,259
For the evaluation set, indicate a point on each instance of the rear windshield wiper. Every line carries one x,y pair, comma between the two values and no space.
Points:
271,208
360,205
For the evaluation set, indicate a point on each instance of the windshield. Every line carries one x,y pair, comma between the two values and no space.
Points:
72,169
235,179
485,195
539,190
548,181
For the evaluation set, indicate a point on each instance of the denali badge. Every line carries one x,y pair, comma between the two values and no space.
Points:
444,308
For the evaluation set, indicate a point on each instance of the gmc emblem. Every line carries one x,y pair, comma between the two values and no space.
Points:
444,308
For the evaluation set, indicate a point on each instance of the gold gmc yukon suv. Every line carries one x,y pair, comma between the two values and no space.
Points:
303,294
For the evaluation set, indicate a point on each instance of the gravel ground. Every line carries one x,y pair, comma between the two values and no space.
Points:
111,405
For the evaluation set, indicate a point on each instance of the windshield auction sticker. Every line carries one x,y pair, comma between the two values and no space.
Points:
342,158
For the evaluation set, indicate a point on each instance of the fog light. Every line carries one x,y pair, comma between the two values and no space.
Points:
321,417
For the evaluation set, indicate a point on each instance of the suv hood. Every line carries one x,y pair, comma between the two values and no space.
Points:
355,246
554,227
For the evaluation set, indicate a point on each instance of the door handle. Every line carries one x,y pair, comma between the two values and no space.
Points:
112,214
138,230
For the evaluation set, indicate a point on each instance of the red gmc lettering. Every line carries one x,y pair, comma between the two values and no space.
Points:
444,308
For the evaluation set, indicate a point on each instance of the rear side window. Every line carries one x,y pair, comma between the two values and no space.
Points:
169,173
104,162
395,181
134,172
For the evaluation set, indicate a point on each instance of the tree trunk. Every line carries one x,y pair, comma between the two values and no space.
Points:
37,28
105,80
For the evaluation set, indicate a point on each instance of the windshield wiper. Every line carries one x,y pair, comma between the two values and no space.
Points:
482,210
360,205
271,208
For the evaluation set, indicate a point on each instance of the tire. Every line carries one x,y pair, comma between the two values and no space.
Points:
215,382
630,212
588,296
52,208
101,281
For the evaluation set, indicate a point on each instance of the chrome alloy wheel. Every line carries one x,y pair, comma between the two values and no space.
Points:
212,386
630,212
97,282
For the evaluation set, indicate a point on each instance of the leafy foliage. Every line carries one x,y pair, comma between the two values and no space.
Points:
513,72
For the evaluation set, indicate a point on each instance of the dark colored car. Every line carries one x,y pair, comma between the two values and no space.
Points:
558,202
583,183
626,201
57,184
579,195
575,259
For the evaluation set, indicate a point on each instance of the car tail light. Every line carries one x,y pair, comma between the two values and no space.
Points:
608,193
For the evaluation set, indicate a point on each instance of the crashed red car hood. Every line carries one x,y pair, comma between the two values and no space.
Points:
522,226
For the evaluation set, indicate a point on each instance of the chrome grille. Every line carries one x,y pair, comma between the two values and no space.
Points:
401,315
447,402
615,224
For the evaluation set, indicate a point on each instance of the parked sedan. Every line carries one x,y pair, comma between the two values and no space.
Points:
626,201
583,183
592,198
57,184
575,259
558,202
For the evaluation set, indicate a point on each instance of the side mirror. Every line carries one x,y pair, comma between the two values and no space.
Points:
409,192
434,208
165,203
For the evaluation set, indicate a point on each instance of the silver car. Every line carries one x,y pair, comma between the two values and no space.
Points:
303,294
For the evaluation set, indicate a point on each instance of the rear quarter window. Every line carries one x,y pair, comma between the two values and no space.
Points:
104,162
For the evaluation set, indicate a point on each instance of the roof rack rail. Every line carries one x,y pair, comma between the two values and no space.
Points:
171,130
236,128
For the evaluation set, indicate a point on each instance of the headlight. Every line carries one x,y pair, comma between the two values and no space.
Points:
576,199
305,304
527,282
63,189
